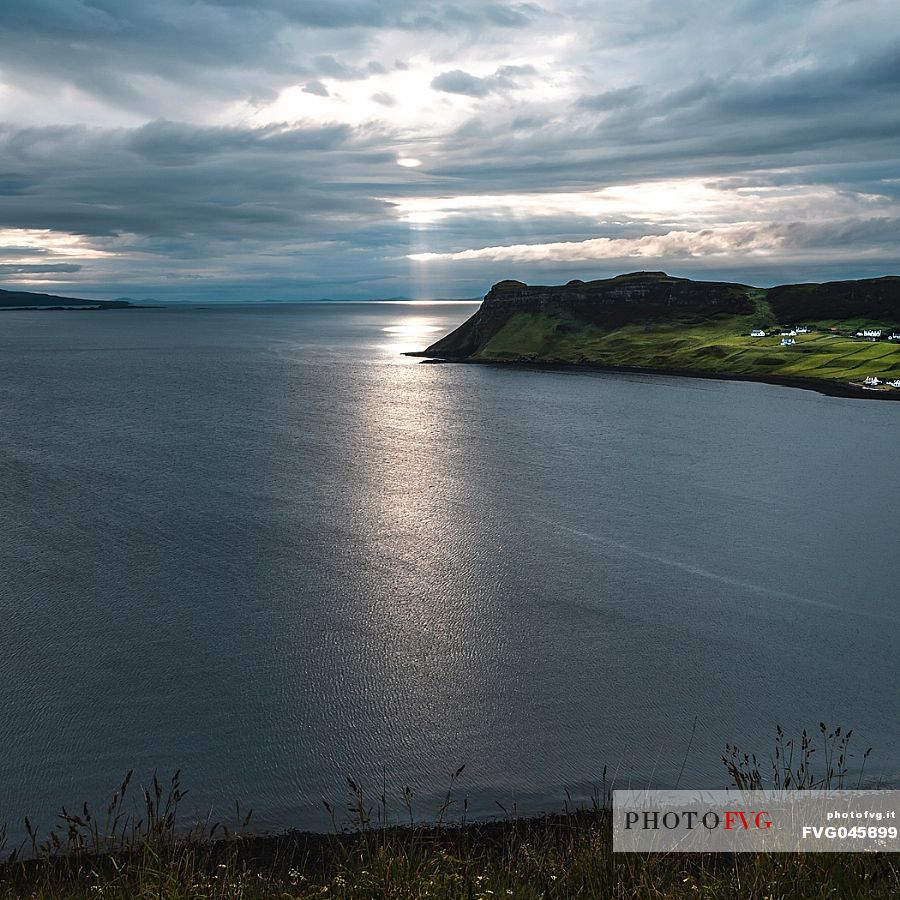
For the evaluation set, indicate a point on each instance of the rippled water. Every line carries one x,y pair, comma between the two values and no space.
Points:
261,545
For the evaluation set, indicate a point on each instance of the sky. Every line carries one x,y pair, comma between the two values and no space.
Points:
353,149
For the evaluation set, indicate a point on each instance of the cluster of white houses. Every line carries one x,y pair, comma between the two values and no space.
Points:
876,334
791,332
874,381
788,334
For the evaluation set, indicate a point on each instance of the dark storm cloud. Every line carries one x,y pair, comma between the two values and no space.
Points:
857,233
457,81
389,13
608,100
814,93
19,250
168,142
329,67
174,179
316,87
26,269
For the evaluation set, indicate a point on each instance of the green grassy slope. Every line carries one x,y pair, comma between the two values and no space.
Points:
710,344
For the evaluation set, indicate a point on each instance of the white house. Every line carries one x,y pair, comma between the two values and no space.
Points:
894,383
895,336
787,341
757,332
802,329
790,333
871,379
871,332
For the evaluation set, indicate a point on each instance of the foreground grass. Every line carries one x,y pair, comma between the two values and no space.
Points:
714,344
566,855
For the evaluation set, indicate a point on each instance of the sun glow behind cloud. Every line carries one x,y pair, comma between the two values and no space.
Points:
402,98
664,201
684,201
35,256
673,245
35,244
693,218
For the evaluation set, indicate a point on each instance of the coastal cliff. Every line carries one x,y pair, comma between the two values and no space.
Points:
812,335
610,303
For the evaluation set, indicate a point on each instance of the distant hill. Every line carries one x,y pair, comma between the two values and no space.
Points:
27,299
654,321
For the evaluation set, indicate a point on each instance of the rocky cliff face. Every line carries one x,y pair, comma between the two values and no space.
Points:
867,298
609,303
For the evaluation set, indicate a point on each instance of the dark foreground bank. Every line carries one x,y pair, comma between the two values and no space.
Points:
143,851
558,856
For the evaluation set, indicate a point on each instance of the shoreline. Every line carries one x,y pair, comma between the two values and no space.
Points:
73,308
829,388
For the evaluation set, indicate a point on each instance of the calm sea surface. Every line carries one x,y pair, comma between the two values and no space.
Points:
260,545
